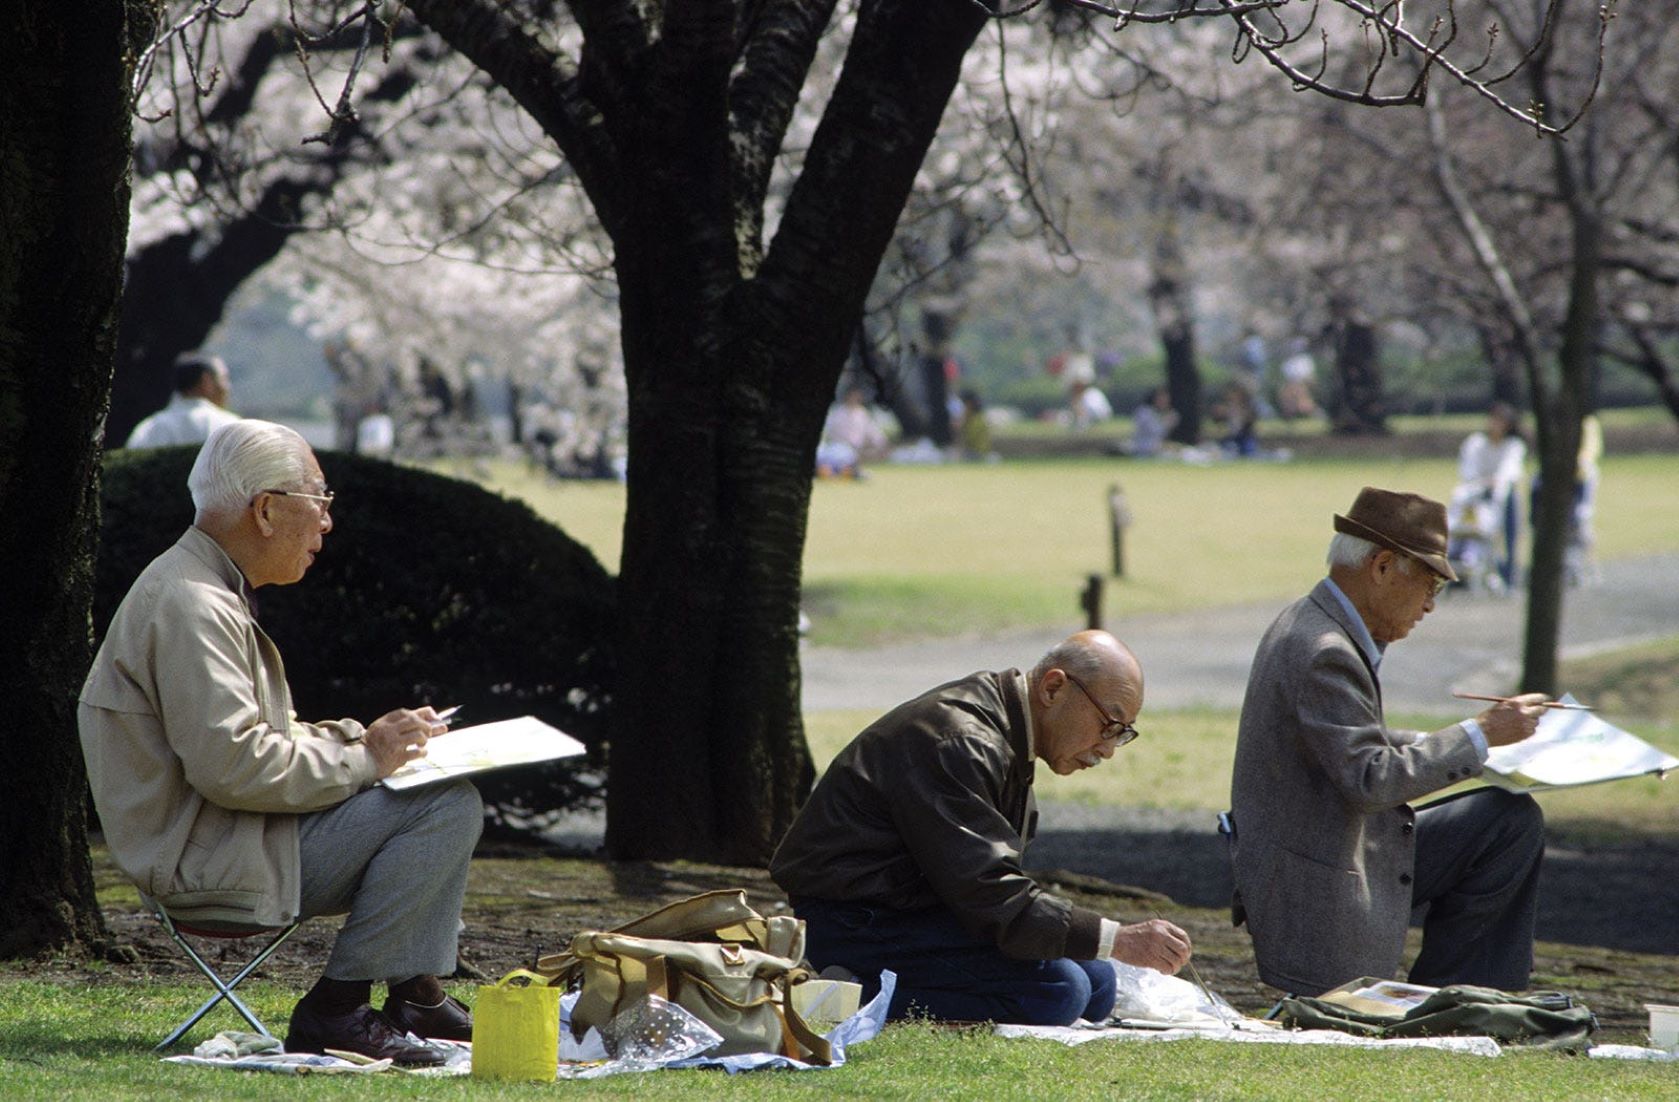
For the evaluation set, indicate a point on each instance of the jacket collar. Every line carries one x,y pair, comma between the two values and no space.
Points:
1016,697
203,547
1329,597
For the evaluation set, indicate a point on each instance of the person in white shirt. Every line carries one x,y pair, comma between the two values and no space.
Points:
195,410
1484,504
1089,405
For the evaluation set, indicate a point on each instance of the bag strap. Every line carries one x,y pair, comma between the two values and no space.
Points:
821,1052
534,979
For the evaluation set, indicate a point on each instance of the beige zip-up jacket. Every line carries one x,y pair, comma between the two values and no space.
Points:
198,766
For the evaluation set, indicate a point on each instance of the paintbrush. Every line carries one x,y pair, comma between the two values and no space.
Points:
1508,699
1206,992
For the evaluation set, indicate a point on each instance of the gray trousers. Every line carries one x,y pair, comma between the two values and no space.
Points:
396,863
1477,889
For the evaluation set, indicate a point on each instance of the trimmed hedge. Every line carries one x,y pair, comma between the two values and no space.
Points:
428,591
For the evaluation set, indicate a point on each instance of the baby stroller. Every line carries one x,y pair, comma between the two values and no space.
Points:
1482,537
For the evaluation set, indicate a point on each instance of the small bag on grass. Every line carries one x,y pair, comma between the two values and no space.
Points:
516,1029
712,955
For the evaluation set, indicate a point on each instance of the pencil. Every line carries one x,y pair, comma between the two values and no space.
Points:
1507,699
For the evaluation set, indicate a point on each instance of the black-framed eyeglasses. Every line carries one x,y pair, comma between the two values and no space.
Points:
1114,730
325,499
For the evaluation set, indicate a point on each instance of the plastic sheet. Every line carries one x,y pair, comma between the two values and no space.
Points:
1143,993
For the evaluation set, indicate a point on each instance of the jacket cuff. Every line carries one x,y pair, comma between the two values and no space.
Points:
1084,935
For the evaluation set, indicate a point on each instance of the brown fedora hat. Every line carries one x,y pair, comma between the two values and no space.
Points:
1407,523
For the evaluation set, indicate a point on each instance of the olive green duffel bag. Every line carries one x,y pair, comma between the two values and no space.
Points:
1545,1019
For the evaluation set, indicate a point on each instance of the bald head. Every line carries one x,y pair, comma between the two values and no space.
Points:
1080,692
1093,656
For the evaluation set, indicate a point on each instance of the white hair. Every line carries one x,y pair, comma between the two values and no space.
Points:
243,458
1354,551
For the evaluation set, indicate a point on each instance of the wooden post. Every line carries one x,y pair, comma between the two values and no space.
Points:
1090,599
1119,519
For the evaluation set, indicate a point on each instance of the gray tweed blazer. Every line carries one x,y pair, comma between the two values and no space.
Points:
1325,839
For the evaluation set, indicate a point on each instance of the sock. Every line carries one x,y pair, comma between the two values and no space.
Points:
338,996
423,991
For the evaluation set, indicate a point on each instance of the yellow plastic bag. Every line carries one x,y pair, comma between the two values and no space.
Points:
516,1029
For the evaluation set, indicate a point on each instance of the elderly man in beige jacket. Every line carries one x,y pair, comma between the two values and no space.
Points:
217,802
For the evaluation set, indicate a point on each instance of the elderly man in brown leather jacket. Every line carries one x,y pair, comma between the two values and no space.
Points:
907,855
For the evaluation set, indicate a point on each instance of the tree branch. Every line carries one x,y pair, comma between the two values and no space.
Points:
543,82
778,44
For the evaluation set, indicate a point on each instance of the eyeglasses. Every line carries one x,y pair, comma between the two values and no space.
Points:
1438,583
1114,730
324,499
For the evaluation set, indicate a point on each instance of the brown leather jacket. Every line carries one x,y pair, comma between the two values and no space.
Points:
932,805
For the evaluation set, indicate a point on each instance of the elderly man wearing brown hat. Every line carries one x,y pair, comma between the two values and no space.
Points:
1330,860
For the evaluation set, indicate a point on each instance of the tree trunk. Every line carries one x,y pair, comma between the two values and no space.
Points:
1558,432
1357,406
64,80
729,377
1171,297
1504,362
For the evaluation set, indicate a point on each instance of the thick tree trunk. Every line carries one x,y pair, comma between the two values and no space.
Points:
63,219
729,376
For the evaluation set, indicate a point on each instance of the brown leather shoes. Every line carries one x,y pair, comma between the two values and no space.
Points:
362,1030
451,1021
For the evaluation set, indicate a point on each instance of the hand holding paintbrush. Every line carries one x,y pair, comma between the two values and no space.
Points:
1511,718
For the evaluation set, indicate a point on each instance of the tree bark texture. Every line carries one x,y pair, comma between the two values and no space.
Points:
732,352
63,219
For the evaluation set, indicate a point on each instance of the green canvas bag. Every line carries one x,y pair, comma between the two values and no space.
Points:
711,954
1542,1019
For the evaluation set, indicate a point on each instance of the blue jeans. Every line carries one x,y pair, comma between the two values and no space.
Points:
946,973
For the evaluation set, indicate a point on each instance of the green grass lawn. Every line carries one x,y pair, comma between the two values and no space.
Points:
93,1044
946,550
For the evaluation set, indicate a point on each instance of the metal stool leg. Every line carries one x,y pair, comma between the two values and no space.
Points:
224,989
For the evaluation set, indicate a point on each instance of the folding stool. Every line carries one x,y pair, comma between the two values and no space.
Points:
178,932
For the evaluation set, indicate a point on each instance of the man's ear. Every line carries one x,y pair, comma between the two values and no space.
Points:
259,510
1051,683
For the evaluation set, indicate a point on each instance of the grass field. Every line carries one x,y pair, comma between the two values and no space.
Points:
940,550
944,550
91,1045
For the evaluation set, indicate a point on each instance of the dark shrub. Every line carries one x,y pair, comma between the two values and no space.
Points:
428,591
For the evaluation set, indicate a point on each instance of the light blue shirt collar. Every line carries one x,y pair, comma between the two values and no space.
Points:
1361,634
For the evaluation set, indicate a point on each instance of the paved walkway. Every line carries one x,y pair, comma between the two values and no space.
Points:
1470,643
